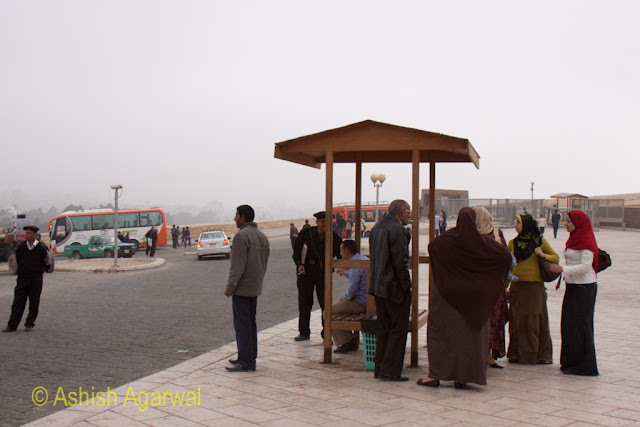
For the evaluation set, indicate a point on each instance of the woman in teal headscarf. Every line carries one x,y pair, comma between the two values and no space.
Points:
529,335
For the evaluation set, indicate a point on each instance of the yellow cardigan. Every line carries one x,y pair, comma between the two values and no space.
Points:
528,270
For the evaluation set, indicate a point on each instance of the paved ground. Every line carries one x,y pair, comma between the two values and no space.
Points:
290,387
100,330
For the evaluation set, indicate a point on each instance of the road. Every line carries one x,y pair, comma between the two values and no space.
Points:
105,330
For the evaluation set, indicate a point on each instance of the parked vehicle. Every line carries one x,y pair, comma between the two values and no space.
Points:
212,243
77,227
100,247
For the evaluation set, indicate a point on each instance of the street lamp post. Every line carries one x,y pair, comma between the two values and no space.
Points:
533,212
115,225
377,180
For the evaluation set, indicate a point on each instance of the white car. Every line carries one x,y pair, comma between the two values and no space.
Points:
212,243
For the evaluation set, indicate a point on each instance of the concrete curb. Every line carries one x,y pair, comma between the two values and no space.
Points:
147,266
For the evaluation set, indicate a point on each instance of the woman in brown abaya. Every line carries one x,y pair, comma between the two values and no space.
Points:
469,272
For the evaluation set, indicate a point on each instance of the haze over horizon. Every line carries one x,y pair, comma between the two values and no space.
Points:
181,103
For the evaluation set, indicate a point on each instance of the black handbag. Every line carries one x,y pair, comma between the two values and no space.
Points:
545,271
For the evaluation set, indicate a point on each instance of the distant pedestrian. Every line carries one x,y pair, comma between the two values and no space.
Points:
293,234
249,258
348,224
306,224
340,223
542,224
363,226
152,240
33,259
555,221
175,233
436,223
187,237
183,237
443,222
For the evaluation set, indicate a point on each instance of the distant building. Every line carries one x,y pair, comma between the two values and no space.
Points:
441,197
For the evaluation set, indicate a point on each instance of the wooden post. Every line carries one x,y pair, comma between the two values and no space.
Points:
415,241
328,257
432,215
358,213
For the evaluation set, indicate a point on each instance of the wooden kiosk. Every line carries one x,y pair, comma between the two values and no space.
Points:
376,142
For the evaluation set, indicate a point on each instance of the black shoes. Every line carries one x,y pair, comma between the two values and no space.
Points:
302,338
8,329
28,328
495,365
459,385
385,377
432,383
234,361
239,368
349,347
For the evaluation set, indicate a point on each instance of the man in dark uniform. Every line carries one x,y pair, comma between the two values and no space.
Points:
33,259
308,254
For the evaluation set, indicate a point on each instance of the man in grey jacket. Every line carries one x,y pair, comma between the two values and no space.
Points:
249,258
391,286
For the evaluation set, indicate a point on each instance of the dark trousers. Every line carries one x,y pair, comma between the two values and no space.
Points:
187,240
541,231
578,353
28,287
244,322
306,283
175,242
391,336
555,230
151,249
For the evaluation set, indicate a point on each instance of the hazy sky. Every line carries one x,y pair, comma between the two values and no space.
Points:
181,102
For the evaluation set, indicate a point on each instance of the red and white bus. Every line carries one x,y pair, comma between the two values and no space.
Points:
76,227
348,210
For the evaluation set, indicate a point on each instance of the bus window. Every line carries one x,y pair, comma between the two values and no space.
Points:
61,230
102,222
126,220
81,223
150,218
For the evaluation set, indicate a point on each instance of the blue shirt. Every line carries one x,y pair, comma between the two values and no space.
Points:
357,287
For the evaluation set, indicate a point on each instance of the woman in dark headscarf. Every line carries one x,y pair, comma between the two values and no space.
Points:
529,335
578,353
469,272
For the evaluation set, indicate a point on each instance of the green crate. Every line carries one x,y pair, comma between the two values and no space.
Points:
369,351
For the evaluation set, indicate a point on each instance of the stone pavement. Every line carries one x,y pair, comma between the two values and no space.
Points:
291,387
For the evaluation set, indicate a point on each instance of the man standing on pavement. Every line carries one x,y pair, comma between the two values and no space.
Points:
555,221
33,260
175,232
391,286
308,254
249,257
152,241
354,300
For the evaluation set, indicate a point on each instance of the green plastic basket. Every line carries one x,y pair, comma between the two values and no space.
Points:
369,351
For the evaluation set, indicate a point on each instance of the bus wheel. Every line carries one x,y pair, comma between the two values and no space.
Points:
75,255
108,254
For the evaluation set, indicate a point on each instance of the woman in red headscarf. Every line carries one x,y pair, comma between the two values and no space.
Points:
578,353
